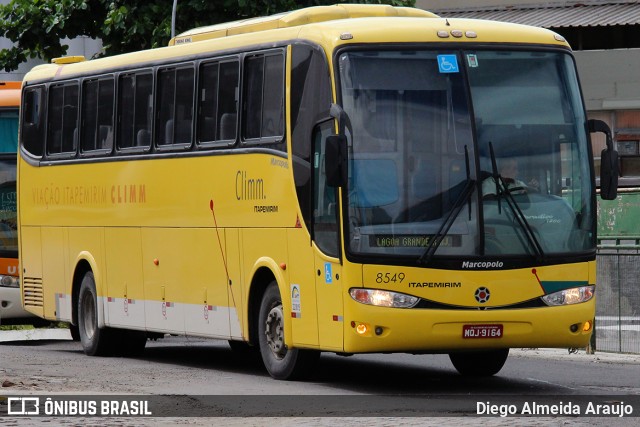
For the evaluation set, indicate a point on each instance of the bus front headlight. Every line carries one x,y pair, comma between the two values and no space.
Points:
570,296
9,281
381,298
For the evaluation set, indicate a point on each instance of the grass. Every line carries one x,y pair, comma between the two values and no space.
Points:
56,325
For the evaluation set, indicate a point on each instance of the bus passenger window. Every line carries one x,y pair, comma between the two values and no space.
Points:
62,133
208,102
263,106
175,106
227,117
135,106
218,103
97,115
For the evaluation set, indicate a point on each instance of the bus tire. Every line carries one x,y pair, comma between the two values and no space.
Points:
75,332
281,362
95,341
481,363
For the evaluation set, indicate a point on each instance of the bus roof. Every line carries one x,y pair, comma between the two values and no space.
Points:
10,94
296,18
328,26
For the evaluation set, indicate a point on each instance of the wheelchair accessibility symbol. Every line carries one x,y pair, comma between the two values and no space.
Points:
448,64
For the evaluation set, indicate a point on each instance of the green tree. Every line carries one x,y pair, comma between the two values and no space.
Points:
38,27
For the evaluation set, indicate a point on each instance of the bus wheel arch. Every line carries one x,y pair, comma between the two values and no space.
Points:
281,361
262,278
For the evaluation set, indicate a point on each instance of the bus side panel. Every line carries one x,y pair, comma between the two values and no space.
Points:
180,274
56,286
304,326
203,282
239,327
267,247
329,290
123,278
31,261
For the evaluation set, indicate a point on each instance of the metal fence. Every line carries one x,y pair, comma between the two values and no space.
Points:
618,296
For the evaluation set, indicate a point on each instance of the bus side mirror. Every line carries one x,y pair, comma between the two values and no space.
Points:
335,160
609,174
609,165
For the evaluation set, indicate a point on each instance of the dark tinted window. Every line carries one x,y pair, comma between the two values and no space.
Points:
62,132
135,109
263,105
97,115
175,106
218,103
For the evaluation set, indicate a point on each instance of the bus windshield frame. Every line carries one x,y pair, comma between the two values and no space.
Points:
435,134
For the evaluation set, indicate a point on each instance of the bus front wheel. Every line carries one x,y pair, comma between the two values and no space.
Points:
481,363
95,341
282,363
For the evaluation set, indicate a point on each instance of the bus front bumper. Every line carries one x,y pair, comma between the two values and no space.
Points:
379,329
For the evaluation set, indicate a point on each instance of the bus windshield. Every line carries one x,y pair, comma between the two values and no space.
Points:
466,153
8,218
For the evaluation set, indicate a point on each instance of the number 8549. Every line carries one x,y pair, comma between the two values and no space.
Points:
390,277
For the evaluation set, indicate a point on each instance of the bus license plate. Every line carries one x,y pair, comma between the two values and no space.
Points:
482,331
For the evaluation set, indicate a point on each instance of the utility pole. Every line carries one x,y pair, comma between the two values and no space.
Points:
173,18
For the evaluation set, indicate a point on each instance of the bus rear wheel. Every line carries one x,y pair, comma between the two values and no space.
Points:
481,363
282,363
95,341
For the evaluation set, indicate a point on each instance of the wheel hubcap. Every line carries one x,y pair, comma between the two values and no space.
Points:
275,332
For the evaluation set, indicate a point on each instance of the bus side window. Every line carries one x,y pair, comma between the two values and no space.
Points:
62,133
175,106
135,109
97,115
218,103
263,98
32,129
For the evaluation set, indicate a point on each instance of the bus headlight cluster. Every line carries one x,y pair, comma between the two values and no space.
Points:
382,298
570,296
9,281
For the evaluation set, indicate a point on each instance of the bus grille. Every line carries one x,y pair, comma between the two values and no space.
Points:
32,292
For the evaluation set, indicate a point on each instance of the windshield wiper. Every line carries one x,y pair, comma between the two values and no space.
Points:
501,188
465,194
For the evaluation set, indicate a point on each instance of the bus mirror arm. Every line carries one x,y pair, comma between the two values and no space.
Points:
609,165
344,123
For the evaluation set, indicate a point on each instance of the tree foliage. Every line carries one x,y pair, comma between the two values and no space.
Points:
38,27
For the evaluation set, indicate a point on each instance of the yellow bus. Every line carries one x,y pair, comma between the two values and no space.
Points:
313,182
10,298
